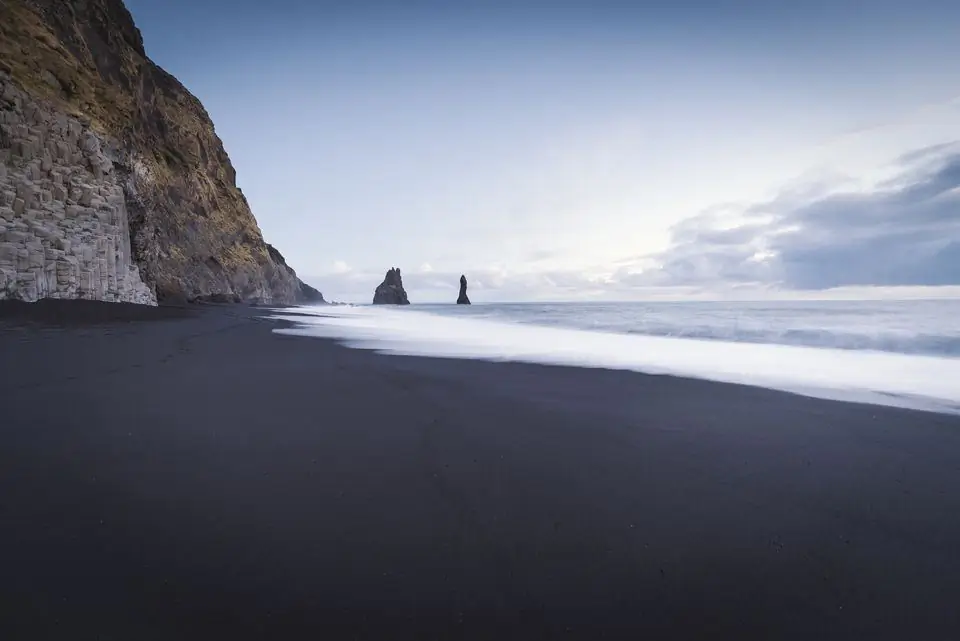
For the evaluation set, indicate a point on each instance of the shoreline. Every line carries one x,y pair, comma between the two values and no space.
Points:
921,382
192,474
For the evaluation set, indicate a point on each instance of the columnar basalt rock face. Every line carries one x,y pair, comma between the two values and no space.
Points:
63,219
95,131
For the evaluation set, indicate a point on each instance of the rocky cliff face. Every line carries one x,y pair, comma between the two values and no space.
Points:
113,182
64,230
390,291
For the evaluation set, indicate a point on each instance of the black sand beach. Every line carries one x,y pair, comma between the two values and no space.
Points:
188,474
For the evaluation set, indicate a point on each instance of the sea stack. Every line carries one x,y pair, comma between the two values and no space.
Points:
463,299
390,291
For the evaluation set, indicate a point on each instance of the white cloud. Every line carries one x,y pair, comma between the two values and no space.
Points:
904,232
899,238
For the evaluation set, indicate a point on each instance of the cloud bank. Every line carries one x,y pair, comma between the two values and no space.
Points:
902,232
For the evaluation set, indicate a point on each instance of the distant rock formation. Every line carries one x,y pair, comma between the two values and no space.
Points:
463,299
390,291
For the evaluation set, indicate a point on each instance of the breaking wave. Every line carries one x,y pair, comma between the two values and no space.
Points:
918,381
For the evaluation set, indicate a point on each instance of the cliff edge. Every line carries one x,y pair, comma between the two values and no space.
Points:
113,182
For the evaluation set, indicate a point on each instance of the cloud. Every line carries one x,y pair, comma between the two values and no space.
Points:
819,233
931,152
903,232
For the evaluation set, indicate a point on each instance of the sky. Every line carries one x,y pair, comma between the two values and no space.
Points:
588,150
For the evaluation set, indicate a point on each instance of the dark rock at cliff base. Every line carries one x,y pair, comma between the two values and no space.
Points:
309,294
463,299
390,291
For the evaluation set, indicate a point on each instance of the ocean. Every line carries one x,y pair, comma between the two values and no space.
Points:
908,327
902,353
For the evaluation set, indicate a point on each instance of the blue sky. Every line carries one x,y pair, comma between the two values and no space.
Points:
571,150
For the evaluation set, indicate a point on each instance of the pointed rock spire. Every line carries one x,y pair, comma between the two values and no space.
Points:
463,299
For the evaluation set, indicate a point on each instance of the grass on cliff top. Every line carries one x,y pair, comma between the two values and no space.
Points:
37,61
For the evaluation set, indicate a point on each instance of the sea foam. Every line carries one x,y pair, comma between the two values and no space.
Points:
903,380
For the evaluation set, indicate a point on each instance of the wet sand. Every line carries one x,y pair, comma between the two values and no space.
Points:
185,473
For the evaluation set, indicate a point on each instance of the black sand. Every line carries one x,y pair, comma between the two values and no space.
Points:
199,477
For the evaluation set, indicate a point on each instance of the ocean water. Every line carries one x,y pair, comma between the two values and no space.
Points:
901,353
908,327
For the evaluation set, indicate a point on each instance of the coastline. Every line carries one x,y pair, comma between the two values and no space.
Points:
186,472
